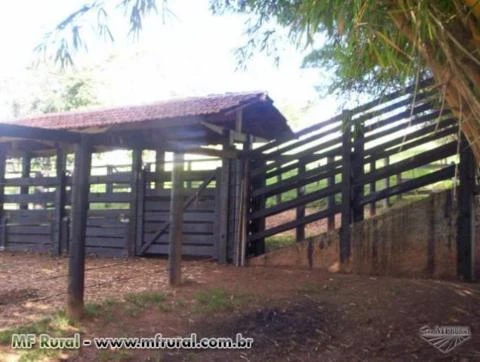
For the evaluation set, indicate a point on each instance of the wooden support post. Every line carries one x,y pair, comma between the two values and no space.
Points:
133,225
466,215
373,187
176,222
386,201
76,263
331,198
140,215
159,169
25,174
109,186
3,218
399,181
58,244
345,231
300,230
223,184
358,171
257,247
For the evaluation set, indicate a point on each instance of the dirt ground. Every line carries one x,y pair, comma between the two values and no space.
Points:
292,314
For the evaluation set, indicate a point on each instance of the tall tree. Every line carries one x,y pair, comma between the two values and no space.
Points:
371,44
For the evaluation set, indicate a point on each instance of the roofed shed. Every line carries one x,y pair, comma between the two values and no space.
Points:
128,208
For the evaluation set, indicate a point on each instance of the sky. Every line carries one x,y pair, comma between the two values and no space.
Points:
191,53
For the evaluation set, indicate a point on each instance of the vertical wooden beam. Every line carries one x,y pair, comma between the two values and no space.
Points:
345,231
223,184
3,218
331,198
300,230
142,186
26,165
60,198
358,171
76,262
373,187
386,201
176,221
159,169
133,225
466,216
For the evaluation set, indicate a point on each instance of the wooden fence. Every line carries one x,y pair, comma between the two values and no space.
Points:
124,209
355,159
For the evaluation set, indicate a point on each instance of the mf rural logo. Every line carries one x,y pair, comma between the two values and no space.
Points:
445,338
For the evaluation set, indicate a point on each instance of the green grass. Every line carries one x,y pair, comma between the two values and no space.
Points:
218,300
278,241
56,326
135,303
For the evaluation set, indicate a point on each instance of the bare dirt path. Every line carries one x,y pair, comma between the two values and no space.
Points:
293,314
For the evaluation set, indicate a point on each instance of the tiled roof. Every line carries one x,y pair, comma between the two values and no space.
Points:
182,107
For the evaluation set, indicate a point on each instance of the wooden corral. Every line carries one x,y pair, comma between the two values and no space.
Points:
195,215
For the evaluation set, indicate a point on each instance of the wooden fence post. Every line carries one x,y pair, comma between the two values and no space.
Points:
26,165
466,214
345,232
358,171
60,199
176,221
76,262
300,230
141,191
133,225
373,188
257,247
331,198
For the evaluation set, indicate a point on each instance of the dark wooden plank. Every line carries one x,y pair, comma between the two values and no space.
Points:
305,178
402,123
29,239
331,198
466,252
142,185
300,230
29,229
202,228
120,177
358,171
136,181
307,159
202,205
103,197
188,216
4,233
176,222
313,196
410,163
76,265
294,223
37,198
60,201
373,189
443,174
194,250
105,242
427,133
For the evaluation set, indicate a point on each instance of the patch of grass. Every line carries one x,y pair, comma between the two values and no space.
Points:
137,302
103,309
218,300
279,241
56,326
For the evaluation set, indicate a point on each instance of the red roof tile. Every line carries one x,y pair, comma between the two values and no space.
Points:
194,106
